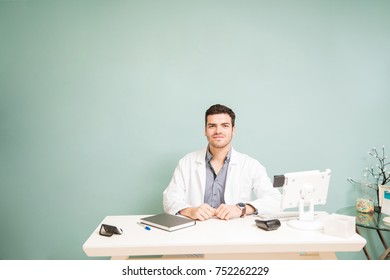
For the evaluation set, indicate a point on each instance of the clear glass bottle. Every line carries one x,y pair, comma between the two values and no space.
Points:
366,195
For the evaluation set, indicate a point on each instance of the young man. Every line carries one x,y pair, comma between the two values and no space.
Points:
219,181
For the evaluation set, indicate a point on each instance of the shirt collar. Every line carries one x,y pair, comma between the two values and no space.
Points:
209,156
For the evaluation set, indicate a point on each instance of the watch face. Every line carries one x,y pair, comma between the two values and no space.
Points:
240,204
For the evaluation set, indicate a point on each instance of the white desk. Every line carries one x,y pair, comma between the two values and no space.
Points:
217,239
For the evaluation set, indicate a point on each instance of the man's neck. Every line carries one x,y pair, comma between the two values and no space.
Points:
219,154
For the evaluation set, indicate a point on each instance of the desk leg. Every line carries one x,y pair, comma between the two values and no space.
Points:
387,249
365,250
385,254
382,238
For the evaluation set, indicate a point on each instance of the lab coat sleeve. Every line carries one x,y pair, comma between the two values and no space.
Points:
173,196
186,188
268,198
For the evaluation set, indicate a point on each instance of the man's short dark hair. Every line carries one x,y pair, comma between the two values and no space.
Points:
220,109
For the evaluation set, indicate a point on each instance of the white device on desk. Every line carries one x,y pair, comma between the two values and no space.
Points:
302,189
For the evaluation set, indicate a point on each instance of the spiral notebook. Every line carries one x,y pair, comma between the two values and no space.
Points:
167,222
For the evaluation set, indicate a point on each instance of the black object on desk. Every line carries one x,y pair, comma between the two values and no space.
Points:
109,230
268,224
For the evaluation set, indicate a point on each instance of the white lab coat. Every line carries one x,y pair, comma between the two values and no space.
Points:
247,181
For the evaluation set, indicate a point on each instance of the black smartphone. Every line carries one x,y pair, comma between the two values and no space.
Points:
109,230
268,224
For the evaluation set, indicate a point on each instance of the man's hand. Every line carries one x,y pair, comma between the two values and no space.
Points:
226,212
201,213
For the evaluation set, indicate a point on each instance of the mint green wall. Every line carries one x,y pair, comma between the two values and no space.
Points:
99,100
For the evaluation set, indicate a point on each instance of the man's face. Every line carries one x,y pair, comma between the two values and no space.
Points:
219,130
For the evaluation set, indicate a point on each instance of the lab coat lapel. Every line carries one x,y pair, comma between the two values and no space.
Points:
231,190
201,170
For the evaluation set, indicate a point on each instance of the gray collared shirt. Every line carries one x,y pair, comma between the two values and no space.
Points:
215,183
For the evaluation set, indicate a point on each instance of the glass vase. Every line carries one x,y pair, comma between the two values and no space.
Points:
366,198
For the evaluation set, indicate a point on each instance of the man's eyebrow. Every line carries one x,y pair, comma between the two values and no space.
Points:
226,123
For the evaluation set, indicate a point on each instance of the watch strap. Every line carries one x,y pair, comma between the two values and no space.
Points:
242,206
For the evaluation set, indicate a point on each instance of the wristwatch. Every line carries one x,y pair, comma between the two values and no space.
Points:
242,207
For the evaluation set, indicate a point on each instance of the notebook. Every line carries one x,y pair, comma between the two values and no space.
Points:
167,222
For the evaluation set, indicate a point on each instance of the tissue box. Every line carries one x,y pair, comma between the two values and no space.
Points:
339,225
